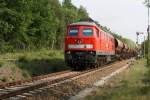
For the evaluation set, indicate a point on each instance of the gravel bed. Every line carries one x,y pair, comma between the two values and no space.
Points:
65,90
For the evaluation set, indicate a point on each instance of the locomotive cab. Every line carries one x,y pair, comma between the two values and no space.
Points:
80,44
80,38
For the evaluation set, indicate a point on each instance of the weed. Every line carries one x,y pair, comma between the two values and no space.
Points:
12,78
145,90
1,64
13,69
35,63
25,74
124,83
131,86
3,79
42,66
23,59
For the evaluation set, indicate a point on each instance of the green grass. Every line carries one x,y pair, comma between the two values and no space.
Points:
1,64
41,66
133,84
36,62
42,62
3,79
43,53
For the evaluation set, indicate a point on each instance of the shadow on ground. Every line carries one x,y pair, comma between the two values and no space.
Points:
41,66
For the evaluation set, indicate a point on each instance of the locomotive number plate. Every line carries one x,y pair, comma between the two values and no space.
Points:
80,46
71,46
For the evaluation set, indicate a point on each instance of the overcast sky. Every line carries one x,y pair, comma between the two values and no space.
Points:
126,17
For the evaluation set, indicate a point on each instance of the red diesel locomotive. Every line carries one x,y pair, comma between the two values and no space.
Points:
87,45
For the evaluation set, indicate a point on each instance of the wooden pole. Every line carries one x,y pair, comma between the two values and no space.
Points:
148,56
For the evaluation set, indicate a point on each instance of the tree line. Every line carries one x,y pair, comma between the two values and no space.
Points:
36,24
33,24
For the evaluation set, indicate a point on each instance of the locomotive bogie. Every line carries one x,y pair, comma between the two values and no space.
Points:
80,59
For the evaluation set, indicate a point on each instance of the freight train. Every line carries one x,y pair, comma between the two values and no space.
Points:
87,45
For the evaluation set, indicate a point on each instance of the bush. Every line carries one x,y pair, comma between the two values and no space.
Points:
23,59
6,48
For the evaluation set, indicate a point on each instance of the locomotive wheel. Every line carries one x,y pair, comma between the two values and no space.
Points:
99,64
96,65
73,68
78,68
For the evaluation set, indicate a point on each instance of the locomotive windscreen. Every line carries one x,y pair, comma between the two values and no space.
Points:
87,32
73,32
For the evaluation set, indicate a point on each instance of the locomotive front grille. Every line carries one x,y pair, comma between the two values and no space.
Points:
80,57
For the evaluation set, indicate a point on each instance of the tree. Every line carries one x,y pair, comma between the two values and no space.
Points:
33,24
146,3
82,13
68,4
14,18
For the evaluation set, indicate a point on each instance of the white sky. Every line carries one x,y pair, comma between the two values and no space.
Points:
125,17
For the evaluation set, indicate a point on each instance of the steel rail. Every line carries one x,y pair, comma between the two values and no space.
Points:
21,82
56,81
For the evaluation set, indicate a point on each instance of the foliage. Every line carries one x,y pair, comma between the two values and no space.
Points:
129,85
3,79
1,64
146,3
22,65
32,24
44,61
146,46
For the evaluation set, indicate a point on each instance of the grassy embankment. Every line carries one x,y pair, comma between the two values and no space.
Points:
132,84
17,66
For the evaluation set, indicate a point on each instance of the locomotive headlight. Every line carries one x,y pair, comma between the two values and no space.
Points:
68,52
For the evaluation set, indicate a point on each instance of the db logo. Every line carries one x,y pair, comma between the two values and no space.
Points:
79,41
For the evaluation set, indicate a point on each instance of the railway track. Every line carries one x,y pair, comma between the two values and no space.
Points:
35,85
33,79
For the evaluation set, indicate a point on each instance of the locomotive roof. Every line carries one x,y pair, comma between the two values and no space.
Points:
84,23
90,24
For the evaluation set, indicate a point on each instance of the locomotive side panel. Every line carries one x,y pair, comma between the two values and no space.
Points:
106,44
